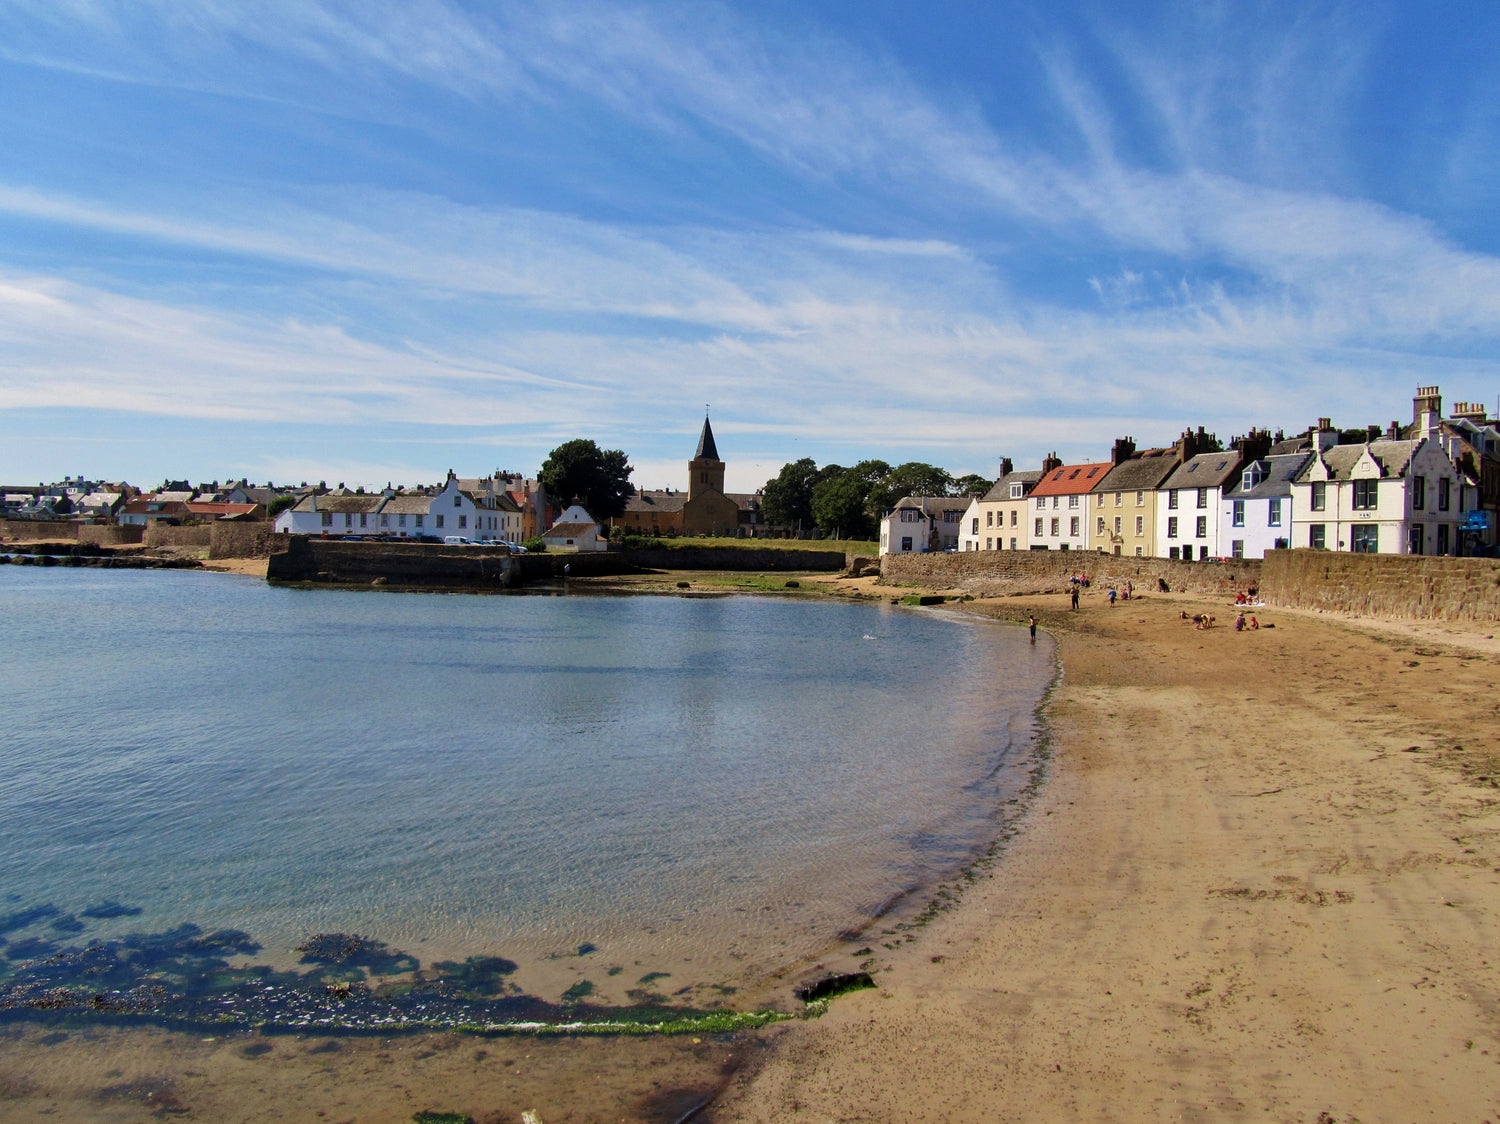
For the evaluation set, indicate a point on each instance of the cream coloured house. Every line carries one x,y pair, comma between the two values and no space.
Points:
998,520
1380,497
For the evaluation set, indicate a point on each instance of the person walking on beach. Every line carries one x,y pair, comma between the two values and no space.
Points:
1032,619
1075,596
1111,597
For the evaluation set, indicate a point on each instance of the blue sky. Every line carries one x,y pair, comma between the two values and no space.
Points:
302,240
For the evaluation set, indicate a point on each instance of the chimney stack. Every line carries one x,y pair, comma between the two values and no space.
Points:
1124,449
1324,435
1427,410
1006,467
1050,462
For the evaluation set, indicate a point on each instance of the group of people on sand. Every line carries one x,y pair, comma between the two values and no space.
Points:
1249,596
1206,620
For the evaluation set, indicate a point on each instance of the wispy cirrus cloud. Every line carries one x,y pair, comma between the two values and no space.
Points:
1215,259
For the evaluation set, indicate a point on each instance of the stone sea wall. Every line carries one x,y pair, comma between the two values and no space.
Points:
426,565
998,572
107,534
235,539
31,530
1384,585
160,534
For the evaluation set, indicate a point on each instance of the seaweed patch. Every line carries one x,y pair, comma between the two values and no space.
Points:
185,978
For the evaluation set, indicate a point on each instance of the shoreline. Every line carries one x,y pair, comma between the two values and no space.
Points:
1259,881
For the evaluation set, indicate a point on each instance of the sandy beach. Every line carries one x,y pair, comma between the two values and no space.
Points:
1261,882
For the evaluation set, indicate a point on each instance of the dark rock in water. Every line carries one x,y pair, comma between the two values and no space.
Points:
478,975
830,986
46,560
586,947
356,951
25,918
4,559
33,948
256,1050
111,908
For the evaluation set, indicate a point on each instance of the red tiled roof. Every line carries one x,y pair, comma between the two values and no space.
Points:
1071,479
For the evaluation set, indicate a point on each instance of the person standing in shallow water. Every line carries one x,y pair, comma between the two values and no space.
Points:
1032,619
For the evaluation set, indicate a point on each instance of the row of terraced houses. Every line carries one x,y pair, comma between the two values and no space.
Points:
1431,487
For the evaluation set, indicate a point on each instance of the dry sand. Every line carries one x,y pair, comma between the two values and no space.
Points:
1261,883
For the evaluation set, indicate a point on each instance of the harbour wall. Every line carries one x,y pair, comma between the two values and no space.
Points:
302,558
1399,587
998,572
424,565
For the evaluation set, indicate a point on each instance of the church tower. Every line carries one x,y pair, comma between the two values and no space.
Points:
705,470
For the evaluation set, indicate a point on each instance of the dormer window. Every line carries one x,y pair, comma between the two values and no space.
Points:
1015,491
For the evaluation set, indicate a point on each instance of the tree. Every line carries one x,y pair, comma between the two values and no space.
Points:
786,501
838,505
578,471
280,504
910,479
972,485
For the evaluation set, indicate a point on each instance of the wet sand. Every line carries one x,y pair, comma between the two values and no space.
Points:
1262,882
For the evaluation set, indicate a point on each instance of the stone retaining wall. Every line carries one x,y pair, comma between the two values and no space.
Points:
162,534
107,534
235,539
426,565
1400,587
30,530
998,572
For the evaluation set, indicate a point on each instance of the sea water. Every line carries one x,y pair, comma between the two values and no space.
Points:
696,789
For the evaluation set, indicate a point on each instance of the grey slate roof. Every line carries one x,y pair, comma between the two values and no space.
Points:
405,505
1000,489
1278,473
707,450
338,504
1206,470
668,502
1392,456
934,505
1138,474
569,530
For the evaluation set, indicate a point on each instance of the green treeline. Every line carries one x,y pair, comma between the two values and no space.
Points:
849,502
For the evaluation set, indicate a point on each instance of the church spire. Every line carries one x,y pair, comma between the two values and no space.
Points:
707,450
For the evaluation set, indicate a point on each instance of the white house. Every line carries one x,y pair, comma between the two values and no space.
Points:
575,530
1256,512
1381,497
1059,506
335,515
920,524
1188,506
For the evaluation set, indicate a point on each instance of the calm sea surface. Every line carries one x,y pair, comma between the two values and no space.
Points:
703,787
